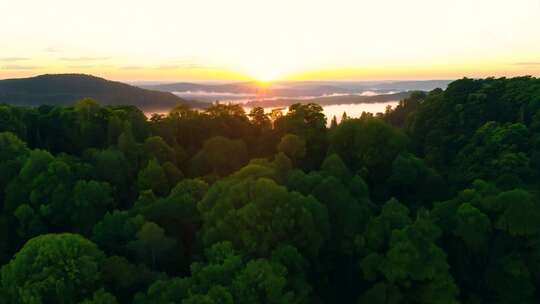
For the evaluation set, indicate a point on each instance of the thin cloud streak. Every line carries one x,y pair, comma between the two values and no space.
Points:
83,66
84,58
19,67
13,59
187,66
532,63
131,68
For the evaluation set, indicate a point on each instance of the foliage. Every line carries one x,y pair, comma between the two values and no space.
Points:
53,268
435,201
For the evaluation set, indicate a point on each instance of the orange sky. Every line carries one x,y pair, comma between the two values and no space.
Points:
265,40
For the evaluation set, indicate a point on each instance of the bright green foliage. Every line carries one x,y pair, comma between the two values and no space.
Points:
434,201
496,151
19,190
407,259
257,215
227,277
53,268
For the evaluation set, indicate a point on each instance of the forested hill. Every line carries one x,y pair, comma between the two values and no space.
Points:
329,100
435,202
66,89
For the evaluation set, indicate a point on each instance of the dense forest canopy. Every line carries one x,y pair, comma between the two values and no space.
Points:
435,201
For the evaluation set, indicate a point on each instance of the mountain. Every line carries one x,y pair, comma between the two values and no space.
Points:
329,100
253,89
300,88
65,89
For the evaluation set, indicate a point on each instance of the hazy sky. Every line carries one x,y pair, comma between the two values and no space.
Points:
275,39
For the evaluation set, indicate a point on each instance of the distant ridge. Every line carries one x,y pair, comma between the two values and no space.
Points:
329,100
65,89
302,88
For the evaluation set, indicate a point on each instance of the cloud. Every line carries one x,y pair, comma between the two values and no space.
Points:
132,67
84,58
168,67
19,67
186,66
82,66
51,50
531,63
12,59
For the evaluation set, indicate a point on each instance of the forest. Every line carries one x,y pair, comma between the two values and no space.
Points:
435,201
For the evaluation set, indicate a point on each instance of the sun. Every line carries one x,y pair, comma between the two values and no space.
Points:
264,73
265,76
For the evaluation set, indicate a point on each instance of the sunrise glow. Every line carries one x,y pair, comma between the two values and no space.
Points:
270,40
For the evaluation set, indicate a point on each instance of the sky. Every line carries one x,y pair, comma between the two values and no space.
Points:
226,40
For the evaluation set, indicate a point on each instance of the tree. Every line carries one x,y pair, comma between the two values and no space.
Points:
116,230
114,130
112,166
308,122
219,156
344,116
153,178
263,216
293,146
129,147
156,147
519,213
124,279
404,259
30,222
334,166
228,277
91,199
413,182
333,122
368,144
151,243
101,297
259,118
38,272
12,155
473,226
